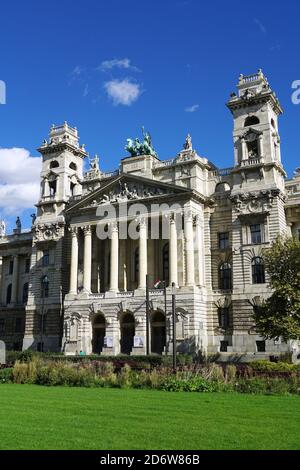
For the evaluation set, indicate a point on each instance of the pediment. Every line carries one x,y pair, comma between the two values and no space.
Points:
129,189
251,134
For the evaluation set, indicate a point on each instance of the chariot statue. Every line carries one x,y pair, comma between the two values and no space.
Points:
136,148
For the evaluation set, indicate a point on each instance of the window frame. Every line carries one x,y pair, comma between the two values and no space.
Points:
222,238
254,238
224,317
258,270
225,279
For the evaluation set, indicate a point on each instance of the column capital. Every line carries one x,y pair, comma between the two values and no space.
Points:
188,215
73,231
87,230
114,226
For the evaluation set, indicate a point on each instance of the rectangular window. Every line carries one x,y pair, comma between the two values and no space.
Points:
223,314
223,240
46,258
19,325
27,265
223,346
11,267
261,346
2,325
255,231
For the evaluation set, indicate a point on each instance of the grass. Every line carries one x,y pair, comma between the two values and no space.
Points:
33,417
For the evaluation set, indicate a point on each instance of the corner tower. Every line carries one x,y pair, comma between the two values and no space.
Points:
255,111
62,170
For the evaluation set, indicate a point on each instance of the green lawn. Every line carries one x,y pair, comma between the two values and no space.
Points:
33,417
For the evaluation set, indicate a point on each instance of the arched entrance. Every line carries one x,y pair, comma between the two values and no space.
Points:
98,333
158,333
127,333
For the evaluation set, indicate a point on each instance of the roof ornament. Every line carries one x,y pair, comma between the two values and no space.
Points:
2,228
136,147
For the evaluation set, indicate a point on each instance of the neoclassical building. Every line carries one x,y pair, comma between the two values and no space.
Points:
67,286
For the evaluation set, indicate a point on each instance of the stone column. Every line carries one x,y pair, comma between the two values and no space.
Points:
74,261
14,290
87,258
46,188
260,146
244,149
189,248
143,267
114,258
173,251
199,251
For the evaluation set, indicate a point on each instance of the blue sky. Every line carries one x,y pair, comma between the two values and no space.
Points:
109,67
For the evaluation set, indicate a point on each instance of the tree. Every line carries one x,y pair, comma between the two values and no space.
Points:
279,315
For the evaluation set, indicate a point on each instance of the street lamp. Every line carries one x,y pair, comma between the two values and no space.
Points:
44,289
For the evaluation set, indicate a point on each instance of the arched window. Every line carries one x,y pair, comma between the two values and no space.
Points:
8,294
165,260
225,282
54,164
252,147
273,123
127,324
45,287
158,332
73,166
251,121
258,270
25,293
136,264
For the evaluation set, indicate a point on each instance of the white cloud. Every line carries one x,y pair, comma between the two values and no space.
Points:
86,90
261,26
19,180
192,109
123,92
77,71
117,63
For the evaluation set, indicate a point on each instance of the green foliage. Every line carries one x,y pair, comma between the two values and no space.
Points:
279,316
259,378
6,375
266,366
268,386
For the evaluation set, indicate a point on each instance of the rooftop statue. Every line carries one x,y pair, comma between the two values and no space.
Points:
136,148
94,162
2,228
188,143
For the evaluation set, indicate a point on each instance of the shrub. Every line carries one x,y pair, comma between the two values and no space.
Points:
20,373
125,377
230,373
6,375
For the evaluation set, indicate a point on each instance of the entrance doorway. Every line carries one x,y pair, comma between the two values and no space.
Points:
98,334
127,333
158,333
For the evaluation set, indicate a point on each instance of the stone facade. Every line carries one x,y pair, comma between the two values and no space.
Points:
65,288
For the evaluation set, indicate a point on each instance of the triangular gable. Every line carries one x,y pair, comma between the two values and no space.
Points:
128,188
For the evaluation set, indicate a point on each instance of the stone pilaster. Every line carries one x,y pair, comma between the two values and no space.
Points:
14,291
114,258
143,254
74,261
87,258
173,251
189,248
